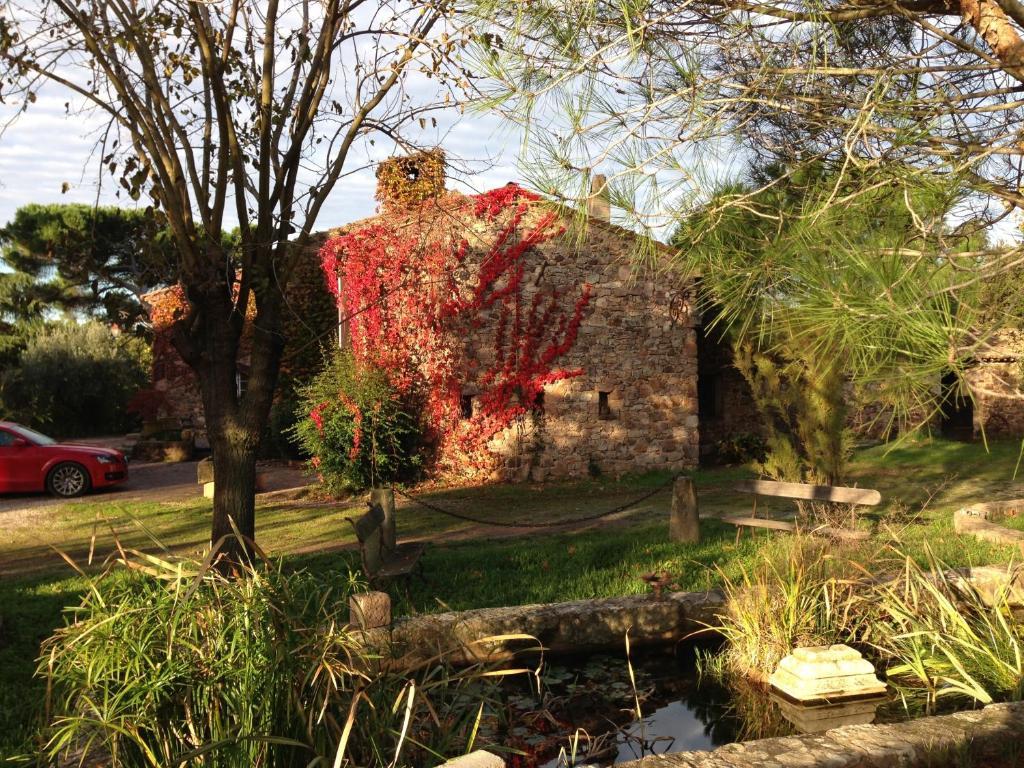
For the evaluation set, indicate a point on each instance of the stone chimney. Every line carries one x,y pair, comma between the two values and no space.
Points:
599,204
407,181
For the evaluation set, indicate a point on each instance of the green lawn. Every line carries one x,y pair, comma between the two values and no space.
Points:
921,483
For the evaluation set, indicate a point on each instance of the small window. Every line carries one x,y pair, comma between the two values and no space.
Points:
466,406
538,402
604,410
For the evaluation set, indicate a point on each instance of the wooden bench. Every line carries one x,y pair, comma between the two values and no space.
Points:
381,561
829,494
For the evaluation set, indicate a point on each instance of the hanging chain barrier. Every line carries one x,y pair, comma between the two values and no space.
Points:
572,521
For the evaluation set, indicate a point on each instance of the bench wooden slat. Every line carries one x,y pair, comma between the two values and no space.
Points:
404,561
761,522
803,491
367,522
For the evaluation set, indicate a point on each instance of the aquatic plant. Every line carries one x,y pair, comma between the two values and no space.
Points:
943,635
796,594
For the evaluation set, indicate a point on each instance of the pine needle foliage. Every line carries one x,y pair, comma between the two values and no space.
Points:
817,296
891,129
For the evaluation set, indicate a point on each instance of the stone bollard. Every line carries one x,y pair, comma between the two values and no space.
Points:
369,610
477,759
684,522
385,498
204,471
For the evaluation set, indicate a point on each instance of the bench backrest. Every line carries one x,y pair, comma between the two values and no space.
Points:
369,529
806,492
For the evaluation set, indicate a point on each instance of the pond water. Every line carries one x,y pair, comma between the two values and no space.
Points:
586,711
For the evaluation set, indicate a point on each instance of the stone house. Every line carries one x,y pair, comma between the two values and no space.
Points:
632,408
654,386
632,405
996,381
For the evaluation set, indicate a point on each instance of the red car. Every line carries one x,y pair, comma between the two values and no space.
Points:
30,461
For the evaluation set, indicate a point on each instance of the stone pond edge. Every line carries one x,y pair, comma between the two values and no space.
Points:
981,735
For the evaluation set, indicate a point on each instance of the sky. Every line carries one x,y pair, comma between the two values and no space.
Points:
43,149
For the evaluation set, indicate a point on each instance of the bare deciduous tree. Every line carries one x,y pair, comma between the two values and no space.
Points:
233,113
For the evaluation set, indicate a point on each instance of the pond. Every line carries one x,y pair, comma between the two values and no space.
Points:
586,710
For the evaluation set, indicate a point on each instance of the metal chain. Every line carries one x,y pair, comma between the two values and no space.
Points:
587,518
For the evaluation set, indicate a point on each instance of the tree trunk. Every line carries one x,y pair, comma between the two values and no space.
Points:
234,421
234,494
232,322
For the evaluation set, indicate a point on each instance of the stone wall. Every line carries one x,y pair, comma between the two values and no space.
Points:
634,408
578,626
982,738
997,383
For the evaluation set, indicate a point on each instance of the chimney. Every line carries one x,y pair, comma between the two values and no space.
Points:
599,204
406,181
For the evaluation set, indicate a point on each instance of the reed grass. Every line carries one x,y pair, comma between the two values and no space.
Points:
167,662
796,594
945,637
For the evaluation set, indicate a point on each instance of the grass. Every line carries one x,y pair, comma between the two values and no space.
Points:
468,567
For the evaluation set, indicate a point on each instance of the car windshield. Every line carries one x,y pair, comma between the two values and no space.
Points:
32,436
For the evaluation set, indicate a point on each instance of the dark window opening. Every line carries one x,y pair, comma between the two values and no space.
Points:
709,396
466,406
538,402
604,410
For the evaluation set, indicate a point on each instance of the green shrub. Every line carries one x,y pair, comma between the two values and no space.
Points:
741,448
170,663
76,380
357,428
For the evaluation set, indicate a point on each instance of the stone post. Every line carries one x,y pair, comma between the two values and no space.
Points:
684,522
385,497
369,610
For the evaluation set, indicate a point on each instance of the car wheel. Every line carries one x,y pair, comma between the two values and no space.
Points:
67,480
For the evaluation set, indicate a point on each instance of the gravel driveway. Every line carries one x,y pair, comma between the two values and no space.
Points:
148,482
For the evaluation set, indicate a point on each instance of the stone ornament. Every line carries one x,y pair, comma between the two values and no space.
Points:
826,673
477,759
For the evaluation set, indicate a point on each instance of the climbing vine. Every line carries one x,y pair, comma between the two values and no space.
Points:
165,307
417,296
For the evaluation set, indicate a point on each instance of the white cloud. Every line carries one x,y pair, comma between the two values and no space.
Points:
44,148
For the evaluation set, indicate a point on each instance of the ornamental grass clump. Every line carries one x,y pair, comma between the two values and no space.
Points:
168,662
942,636
798,594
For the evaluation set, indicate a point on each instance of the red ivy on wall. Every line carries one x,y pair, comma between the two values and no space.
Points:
414,296
165,307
